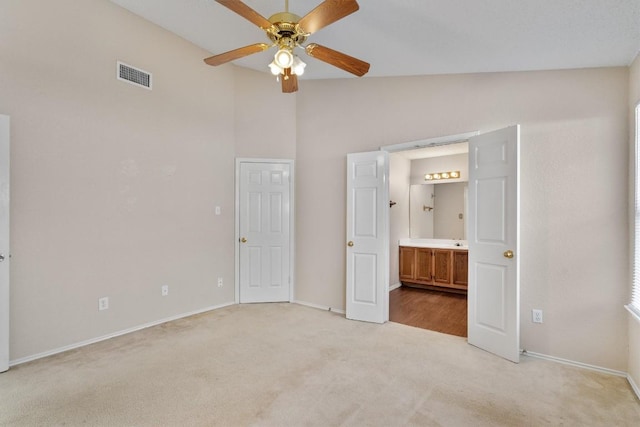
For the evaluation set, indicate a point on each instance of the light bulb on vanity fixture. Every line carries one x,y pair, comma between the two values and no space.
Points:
442,175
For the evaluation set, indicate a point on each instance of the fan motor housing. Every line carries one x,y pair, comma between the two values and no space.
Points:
285,23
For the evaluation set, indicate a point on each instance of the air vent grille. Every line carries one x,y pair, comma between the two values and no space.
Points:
135,76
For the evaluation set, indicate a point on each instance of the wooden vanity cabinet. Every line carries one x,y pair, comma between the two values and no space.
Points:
407,263
441,267
431,267
424,266
460,268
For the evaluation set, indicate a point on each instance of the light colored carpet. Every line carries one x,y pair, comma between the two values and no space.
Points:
289,365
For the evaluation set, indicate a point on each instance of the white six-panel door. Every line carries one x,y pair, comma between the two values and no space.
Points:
367,244
494,290
264,211
4,243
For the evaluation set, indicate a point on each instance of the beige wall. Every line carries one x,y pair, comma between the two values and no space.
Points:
574,190
113,186
265,118
634,323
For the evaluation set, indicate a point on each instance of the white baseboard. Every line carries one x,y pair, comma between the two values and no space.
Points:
576,364
634,386
113,335
319,307
394,286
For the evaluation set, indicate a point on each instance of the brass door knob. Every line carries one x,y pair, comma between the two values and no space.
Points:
508,254
243,240
350,243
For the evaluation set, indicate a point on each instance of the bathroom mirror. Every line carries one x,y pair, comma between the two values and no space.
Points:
438,211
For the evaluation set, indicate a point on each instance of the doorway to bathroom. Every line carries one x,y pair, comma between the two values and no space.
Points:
428,188
489,267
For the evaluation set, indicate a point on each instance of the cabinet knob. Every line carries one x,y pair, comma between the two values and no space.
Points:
508,254
350,244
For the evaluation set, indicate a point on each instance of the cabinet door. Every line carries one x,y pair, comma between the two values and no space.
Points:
460,267
407,263
424,267
442,263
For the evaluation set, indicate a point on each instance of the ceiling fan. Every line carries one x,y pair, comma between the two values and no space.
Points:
288,31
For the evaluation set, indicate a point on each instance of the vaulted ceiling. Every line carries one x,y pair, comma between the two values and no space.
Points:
421,37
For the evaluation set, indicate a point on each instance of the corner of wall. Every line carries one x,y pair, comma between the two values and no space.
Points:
633,362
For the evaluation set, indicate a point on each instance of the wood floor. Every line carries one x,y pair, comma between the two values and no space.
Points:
435,310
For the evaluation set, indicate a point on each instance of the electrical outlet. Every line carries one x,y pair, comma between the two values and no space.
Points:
218,210
220,282
165,290
536,316
103,303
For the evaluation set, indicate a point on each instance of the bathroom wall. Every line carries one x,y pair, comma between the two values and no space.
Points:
574,224
444,226
421,212
455,162
449,213
399,172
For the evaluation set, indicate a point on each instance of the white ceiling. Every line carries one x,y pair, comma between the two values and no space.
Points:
419,37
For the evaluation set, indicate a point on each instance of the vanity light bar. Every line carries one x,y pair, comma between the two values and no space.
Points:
442,175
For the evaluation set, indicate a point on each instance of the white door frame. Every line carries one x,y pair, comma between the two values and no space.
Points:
430,142
423,143
292,227
4,243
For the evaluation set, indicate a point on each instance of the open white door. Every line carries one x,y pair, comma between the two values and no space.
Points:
4,243
494,273
264,230
367,237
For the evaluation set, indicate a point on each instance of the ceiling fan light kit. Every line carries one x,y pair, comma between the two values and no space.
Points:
297,67
288,31
283,58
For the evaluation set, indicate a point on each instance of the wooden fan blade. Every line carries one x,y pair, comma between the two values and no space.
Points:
246,12
327,13
232,55
338,59
289,81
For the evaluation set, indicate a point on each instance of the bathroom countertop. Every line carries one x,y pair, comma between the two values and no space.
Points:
435,243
